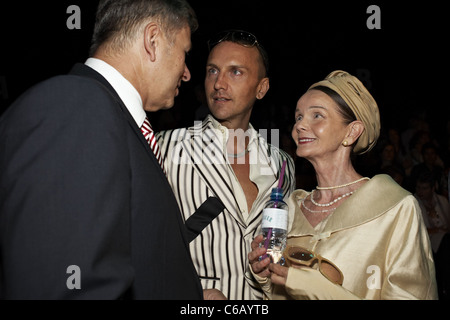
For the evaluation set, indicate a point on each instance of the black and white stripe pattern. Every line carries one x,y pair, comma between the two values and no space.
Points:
197,168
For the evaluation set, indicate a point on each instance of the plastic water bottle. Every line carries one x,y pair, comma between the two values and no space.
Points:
274,226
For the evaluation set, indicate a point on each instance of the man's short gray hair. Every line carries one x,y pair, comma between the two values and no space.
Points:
117,21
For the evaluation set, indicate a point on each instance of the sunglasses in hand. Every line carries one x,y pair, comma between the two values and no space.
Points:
296,256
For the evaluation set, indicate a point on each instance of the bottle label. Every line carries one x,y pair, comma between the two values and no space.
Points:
274,218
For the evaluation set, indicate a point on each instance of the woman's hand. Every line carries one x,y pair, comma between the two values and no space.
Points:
260,268
265,268
279,274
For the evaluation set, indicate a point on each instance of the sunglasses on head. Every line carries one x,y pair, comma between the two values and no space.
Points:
296,256
243,38
239,36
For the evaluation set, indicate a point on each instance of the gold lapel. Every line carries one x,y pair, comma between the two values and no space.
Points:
370,201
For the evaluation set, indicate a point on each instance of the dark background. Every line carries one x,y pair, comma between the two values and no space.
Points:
404,64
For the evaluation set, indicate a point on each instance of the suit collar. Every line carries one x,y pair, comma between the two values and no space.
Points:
204,147
83,70
124,89
370,201
211,122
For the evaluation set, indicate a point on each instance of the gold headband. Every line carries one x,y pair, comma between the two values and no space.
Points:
362,104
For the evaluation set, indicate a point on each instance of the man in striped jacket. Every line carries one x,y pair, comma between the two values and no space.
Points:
222,170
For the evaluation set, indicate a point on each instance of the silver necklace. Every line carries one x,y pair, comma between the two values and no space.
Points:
238,155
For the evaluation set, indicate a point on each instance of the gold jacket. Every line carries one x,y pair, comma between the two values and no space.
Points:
377,238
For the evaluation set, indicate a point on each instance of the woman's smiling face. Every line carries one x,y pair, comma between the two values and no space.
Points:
319,128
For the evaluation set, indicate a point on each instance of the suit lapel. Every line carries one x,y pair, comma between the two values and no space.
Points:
269,174
271,162
204,148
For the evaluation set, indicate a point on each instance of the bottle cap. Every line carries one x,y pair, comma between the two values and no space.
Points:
277,193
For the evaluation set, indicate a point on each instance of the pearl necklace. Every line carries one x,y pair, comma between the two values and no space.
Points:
315,211
342,185
329,203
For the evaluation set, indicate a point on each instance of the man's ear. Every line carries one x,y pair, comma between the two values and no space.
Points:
151,37
262,89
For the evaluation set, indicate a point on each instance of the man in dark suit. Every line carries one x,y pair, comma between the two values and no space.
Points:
86,211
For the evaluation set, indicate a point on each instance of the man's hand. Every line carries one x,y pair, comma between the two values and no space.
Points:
213,294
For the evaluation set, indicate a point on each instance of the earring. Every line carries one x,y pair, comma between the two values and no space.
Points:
345,143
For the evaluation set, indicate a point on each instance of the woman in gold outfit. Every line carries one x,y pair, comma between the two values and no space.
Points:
352,237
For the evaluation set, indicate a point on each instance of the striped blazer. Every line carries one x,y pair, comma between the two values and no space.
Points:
198,168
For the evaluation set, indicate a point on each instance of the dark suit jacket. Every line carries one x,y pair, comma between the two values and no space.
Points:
80,186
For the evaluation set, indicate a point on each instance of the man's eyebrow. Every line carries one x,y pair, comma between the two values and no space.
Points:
237,66
231,66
